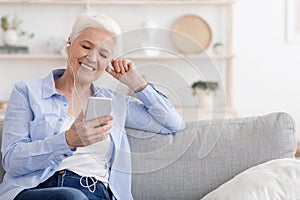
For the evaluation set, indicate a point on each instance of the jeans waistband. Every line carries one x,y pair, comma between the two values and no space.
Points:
66,172
89,185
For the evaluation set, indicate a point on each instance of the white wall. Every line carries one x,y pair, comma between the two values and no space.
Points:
266,70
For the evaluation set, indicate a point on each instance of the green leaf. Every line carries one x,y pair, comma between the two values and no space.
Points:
4,23
205,85
14,24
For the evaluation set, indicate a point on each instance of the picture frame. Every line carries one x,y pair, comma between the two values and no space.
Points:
292,21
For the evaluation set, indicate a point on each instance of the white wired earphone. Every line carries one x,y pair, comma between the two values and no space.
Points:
91,187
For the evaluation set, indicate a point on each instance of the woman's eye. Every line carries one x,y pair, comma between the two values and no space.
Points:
104,56
86,47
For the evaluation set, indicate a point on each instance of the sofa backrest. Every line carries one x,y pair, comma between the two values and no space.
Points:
205,155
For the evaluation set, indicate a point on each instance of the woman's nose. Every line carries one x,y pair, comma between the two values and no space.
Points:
92,56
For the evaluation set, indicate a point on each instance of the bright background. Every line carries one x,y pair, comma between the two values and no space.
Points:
267,68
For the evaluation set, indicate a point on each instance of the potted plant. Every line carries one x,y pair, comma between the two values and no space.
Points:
203,91
11,30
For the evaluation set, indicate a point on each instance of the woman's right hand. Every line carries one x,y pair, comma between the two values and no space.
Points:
83,133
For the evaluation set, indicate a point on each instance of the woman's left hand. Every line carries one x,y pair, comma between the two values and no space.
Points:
125,71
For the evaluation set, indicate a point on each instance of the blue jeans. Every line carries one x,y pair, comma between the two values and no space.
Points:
65,185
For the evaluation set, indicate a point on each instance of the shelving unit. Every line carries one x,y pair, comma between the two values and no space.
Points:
190,114
226,57
138,57
113,2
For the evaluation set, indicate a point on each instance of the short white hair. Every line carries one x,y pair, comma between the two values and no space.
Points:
88,20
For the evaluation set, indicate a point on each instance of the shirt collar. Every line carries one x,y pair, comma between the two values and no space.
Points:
95,90
49,84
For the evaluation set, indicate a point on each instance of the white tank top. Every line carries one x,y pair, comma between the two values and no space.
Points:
89,161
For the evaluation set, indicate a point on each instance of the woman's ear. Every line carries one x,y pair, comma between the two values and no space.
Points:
68,42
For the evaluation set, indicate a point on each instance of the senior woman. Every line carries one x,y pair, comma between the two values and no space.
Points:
50,151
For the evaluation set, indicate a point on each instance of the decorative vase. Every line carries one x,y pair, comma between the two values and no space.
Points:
10,37
204,98
151,32
218,48
205,92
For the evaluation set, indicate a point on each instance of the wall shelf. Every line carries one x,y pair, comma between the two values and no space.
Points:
190,114
137,57
31,56
112,2
222,11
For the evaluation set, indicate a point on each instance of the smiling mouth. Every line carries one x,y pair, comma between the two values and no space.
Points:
87,67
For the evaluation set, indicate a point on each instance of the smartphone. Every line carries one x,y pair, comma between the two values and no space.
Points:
97,107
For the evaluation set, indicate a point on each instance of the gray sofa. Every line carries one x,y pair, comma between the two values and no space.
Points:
206,154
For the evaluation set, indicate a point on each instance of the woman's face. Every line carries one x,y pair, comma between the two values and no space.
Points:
90,53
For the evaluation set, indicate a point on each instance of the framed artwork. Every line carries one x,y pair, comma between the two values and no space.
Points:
293,20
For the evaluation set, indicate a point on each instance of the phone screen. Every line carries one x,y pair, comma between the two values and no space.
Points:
97,107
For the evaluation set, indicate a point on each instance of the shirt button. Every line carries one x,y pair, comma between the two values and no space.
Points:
60,119
66,155
65,104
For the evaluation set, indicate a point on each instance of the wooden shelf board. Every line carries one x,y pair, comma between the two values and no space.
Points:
136,57
202,110
125,2
194,114
189,114
31,56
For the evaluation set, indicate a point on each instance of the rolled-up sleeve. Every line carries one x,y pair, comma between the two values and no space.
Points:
154,112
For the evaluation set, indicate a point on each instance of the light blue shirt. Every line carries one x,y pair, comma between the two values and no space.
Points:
33,146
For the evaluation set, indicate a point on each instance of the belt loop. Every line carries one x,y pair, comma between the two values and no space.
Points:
63,177
60,177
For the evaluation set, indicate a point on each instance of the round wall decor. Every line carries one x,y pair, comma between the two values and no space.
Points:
191,34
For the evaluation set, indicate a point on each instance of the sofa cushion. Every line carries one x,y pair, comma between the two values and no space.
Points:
206,154
275,179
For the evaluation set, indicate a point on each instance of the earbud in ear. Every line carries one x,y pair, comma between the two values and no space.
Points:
68,44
